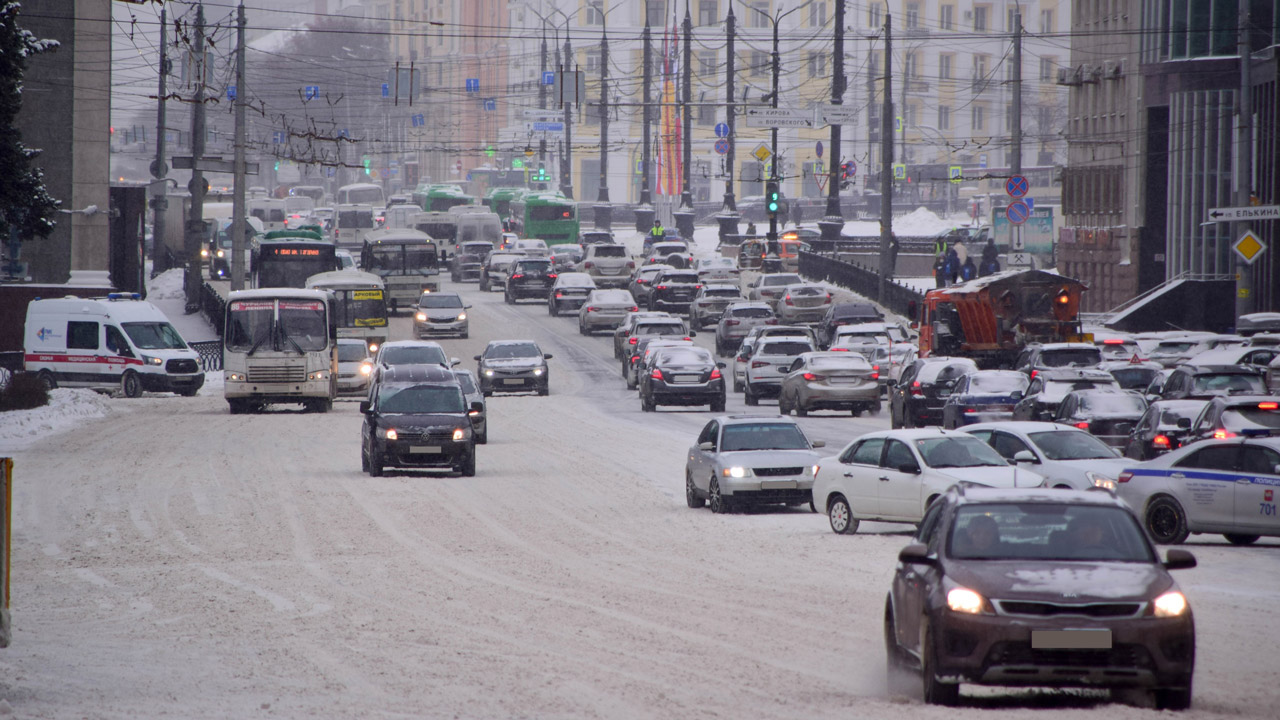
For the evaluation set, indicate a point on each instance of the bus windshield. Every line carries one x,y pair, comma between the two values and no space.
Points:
154,336
361,196
298,326
359,308
401,259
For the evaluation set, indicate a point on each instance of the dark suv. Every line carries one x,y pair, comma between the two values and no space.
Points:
1038,357
1204,382
845,314
416,417
918,397
530,278
674,290
974,598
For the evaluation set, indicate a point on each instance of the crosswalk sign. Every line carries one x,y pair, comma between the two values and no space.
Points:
955,172
899,171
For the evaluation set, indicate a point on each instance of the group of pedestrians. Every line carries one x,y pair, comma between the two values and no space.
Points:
952,262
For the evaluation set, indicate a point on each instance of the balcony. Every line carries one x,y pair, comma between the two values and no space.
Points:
914,85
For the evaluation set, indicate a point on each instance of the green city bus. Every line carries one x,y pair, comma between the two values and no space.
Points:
441,197
499,199
549,216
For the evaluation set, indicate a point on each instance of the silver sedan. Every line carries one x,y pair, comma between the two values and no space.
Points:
830,381
742,460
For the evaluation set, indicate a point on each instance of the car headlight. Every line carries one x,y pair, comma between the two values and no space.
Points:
366,369
964,600
459,434
488,373
1101,481
373,347
204,253
1170,604
152,360
235,377
421,317
318,375
537,372
221,253
388,433
736,471
462,316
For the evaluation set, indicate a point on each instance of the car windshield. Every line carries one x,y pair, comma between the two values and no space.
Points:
1003,384
467,383
1070,445
420,399
752,312
788,348
958,452
512,350
1172,348
806,291
1229,384
780,280
610,251
685,356
1134,378
763,436
845,362
659,329
721,292
1169,416
613,296
1120,403
352,352
1070,357
413,355
685,278
439,300
943,372
1263,416
1048,531
154,336
1055,390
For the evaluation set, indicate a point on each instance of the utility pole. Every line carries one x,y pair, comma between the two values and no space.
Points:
833,224
886,163
728,217
684,217
1246,302
195,219
159,201
645,212
1015,162
772,263
603,210
566,177
237,199
542,94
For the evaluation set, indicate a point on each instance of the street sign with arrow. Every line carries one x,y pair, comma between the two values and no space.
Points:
776,117
1256,212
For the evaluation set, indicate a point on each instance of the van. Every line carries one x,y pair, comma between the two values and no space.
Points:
119,341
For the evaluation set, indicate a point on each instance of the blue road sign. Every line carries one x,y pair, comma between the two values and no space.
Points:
1030,203
722,146
344,133
722,130
386,90
231,92
473,84
490,104
548,127
818,148
418,120
549,77
1017,212
311,92
279,137
982,161
1017,186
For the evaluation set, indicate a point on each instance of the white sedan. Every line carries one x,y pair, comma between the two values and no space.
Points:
1068,456
893,475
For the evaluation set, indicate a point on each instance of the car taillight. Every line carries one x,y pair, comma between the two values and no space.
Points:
1268,406
697,287
631,263
732,322
839,349
656,374
1221,434
715,374
788,301
659,287
828,300
591,309
641,281
771,321
635,358
633,340
633,308
759,364
1125,477
811,377
517,276
552,276
915,389
875,375
1160,440
1082,425
1034,373
558,296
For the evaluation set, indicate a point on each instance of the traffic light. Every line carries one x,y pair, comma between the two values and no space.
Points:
542,174
844,172
368,164
771,198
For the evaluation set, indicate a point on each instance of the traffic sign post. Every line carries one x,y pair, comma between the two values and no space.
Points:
776,117
834,115
722,130
722,146
1018,259
1249,247
955,172
1017,212
762,152
1017,187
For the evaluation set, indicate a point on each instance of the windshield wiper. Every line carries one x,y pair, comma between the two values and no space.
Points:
284,335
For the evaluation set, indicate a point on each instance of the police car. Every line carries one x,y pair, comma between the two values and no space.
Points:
1228,486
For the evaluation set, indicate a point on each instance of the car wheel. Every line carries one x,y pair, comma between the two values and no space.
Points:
506,297
1238,539
801,410
737,385
1166,520
582,329
241,407
544,389
898,665
646,403
841,516
717,406
466,334
551,309
691,496
189,392
469,465
375,464
750,397
719,503
364,461
131,384
784,407
936,692
484,285
48,380
1174,698
875,409
894,422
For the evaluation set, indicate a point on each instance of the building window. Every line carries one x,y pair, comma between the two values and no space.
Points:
595,12
818,13
875,15
909,67
760,17
911,116
1011,19
913,15
944,117
1047,66
977,117
706,113
817,64
1008,118
979,19
944,66
707,64
657,12
1046,21
708,12
593,61
759,63
979,68
946,16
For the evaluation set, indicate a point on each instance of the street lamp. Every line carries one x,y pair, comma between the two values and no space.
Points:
772,263
566,157
947,144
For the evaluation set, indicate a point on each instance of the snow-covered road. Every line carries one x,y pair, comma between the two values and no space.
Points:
172,560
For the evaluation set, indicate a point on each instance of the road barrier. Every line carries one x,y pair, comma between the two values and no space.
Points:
6,538
861,280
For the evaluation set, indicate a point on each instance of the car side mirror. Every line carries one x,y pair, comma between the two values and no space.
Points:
1016,395
1184,423
818,443
477,358
707,446
909,468
721,365
1179,560
1025,456
916,554
693,333
477,406
364,407
546,356
454,361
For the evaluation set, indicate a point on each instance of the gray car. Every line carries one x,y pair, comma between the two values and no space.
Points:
605,309
803,303
472,394
513,366
768,365
441,313
771,286
736,322
710,302
839,381
745,460
569,291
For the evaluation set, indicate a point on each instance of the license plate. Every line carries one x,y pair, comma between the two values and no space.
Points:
943,393
427,449
1090,639
512,382
685,378
778,485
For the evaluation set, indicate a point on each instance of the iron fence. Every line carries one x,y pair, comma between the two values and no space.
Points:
210,354
861,280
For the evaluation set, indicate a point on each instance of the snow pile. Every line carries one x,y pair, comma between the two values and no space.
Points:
920,222
67,409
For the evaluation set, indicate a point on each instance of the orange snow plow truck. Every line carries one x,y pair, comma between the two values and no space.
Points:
992,318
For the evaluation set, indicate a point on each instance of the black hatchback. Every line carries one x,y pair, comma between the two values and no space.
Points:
682,375
530,278
416,417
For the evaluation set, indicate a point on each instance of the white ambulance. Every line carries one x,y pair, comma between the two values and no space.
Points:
119,341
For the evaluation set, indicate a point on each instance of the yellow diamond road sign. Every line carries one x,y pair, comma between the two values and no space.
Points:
761,152
1249,247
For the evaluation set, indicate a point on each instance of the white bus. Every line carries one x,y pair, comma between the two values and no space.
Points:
406,260
279,345
350,223
361,194
359,304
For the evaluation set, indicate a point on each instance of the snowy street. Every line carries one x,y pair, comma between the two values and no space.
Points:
173,560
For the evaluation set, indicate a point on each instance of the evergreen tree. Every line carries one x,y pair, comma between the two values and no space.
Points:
24,202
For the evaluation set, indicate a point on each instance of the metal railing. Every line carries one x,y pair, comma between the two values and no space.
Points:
210,354
861,280
213,306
